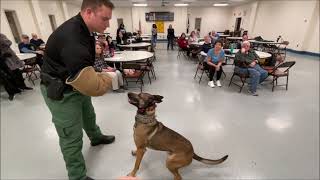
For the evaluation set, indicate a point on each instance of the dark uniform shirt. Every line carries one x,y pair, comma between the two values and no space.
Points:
69,49
206,47
243,60
37,42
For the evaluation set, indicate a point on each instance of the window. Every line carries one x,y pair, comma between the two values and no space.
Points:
14,24
53,22
197,24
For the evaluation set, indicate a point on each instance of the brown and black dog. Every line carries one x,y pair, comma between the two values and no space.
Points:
150,133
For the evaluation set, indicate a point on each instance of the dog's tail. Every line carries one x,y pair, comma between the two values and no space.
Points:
209,161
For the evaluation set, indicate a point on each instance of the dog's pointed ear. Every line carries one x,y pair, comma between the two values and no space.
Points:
158,98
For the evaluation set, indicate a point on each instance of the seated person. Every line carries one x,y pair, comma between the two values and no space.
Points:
246,61
101,66
111,49
197,31
183,43
193,38
36,41
194,48
214,36
244,38
26,47
207,44
121,39
214,60
205,47
138,37
102,39
10,73
110,43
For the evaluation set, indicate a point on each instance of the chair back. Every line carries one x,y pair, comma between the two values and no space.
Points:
285,65
30,62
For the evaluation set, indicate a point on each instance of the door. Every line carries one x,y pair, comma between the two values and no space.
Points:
14,25
238,24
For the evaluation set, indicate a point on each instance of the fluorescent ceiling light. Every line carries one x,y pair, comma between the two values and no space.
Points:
140,5
181,4
221,4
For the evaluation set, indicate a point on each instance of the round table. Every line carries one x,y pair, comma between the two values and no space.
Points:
199,39
264,42
197,43
135,45
143,39
224,35
234,38
25,56
129,56
143,36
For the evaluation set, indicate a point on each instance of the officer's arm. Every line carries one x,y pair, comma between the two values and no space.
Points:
82,75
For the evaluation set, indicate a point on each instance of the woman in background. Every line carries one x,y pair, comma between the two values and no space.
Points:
101,66
154,35
122,30
214,60
170,37
183,43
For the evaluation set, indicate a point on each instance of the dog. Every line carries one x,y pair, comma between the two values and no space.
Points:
150,133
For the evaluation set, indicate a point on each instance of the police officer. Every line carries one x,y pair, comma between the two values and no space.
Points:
68,81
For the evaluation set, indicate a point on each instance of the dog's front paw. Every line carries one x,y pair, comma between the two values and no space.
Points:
133,152
131,174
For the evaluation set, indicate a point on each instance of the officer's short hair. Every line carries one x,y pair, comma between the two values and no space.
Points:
96,3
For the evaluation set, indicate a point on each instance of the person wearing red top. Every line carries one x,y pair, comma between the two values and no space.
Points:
183,43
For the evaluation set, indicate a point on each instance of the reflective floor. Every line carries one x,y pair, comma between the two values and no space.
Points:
273,136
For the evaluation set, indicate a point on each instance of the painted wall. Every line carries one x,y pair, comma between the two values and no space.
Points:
24,15
50,8
297,21
290,19
311,42
126,15
73,9
244,12
179,23
212,18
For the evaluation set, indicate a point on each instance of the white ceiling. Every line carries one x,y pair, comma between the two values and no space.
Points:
159,3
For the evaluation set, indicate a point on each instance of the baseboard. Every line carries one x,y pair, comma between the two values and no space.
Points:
304,52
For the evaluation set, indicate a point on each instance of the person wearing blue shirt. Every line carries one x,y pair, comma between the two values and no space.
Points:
26,47
214,60
214,37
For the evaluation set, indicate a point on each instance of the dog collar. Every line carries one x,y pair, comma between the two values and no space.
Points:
145,119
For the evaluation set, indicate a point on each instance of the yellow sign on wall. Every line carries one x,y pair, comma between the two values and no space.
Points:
160,26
